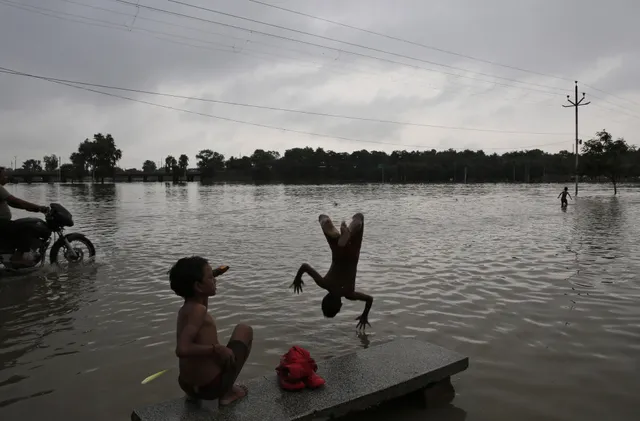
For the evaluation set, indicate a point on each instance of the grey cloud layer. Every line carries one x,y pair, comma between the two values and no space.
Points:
38,118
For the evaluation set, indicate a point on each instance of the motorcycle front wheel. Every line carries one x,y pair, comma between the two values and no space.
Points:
69,257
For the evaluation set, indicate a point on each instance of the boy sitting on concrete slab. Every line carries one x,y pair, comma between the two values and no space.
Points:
208,370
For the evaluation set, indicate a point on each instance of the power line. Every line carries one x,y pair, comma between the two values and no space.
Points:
610,94
191,28
407,41
352,44
123,27
243,50
29,8
11,4
375,120
434,48
116,26
253,31
252,123
255,53
323,65
372,49
612,110
111,25
620,110
372,32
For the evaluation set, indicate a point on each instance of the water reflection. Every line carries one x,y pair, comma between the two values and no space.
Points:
600,224
177,191
38,318
103,193
364,339
81,192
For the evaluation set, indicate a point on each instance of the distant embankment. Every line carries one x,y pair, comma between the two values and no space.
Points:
239,176
20,176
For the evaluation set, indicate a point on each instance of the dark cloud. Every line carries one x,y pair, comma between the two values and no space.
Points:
591,41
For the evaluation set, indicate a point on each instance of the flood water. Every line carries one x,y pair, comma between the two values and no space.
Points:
545,302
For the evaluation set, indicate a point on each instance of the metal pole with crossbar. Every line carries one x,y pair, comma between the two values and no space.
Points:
576,104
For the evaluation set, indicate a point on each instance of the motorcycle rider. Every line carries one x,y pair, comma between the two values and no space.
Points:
20,240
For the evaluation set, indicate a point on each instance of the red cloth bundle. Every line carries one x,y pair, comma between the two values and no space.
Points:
297,370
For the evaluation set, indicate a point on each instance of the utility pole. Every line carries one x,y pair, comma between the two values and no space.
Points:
576,104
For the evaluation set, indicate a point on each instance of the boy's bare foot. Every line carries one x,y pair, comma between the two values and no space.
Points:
327,226
344,235
236,393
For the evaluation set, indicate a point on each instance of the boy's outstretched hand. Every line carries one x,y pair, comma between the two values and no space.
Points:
363,321
297,284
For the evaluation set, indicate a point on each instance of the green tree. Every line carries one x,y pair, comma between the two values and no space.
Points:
68,171
183,164
51,163
210,162
80,165
99,156
32,165
170,163
602,157
607,157
306,165
149,166
243,164
262,163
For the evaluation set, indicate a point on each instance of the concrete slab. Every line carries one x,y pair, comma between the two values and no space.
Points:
353,382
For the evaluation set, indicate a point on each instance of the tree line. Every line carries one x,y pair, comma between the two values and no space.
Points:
601,157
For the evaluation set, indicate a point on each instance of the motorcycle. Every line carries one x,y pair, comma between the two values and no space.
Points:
55,221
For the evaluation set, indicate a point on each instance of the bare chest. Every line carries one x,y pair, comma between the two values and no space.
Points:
208,333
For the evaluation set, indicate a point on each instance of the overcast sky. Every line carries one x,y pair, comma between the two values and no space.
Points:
115,44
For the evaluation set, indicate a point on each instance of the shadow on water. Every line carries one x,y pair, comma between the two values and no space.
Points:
35,311
406,410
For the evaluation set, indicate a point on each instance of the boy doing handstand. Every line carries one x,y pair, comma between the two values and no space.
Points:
340,280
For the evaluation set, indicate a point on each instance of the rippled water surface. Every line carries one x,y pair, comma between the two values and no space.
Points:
545,302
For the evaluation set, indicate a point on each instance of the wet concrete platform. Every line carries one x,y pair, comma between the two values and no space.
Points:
353,382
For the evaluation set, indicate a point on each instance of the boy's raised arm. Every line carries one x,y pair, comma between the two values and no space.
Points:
187,346
306,268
